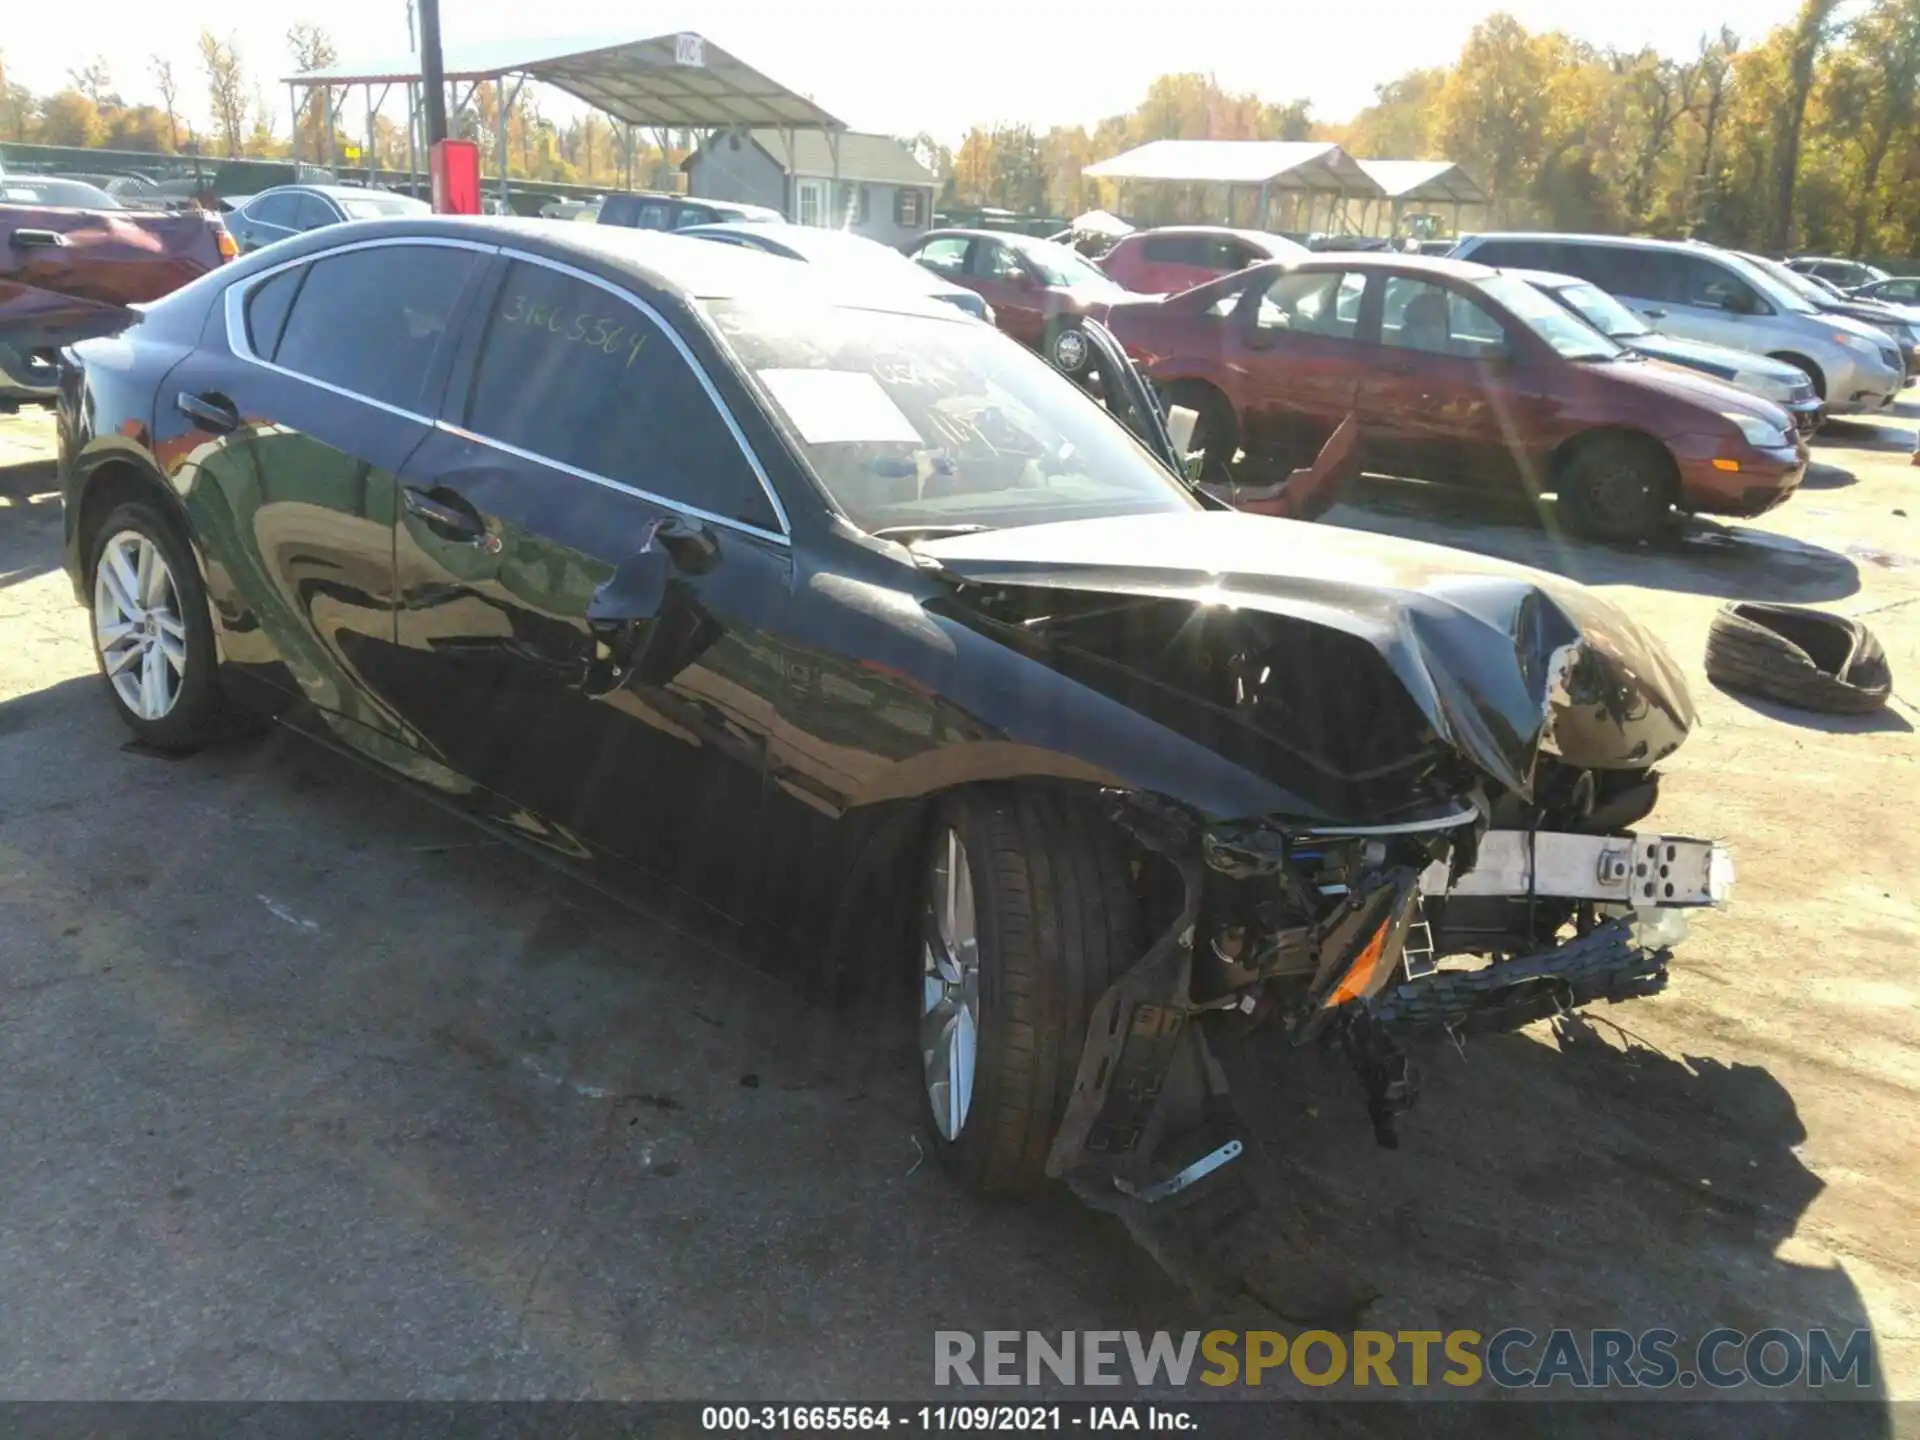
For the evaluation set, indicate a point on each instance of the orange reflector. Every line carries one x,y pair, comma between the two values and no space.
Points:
228,250
1359,977
1720,464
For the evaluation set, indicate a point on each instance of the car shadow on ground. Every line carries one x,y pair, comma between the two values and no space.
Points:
623,1164
29,521
1571,1176
1828,477
1700,556
1863,434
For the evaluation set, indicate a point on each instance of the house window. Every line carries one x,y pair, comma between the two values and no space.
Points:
906,209
809,203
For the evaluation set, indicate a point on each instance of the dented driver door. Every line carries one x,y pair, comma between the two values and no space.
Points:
585,557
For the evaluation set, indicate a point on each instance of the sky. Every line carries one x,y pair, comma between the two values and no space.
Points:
884,65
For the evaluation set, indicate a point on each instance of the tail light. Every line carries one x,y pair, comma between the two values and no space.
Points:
223,238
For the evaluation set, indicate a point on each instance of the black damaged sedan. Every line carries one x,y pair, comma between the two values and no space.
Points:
840,623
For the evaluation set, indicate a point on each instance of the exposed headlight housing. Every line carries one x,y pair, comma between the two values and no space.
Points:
1759,433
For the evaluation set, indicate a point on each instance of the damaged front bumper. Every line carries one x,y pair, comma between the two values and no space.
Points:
1389,964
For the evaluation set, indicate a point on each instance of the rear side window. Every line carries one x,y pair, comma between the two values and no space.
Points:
369,321
280,209
267,309
574,373
946,255
1627,270
1174,250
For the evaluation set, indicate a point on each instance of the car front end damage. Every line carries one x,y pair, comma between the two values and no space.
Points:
1454,760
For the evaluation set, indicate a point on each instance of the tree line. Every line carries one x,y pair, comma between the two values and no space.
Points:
1805,137
92,110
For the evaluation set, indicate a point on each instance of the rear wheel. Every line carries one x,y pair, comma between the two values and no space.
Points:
1617,488
152,635
1066,348
1028,915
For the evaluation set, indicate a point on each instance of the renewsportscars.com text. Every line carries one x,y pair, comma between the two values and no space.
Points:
1513,1358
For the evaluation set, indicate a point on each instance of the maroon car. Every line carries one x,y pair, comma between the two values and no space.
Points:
72,258
1179,257
1456,372
1039,290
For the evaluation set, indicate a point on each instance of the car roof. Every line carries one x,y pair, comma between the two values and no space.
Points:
1439,266
1640,242
687,268
1258,237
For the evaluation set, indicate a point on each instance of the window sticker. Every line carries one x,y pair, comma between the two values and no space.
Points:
830,407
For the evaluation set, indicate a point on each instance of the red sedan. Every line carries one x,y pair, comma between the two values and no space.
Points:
1039,291
1456,372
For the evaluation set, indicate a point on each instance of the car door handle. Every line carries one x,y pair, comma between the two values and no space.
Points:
210,411
46,239
448,516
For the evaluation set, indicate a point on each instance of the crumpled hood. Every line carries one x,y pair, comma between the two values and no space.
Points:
1505,663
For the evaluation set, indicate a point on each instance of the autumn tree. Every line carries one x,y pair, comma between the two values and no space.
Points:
226,88
312,48
1808,37
169,88
70,118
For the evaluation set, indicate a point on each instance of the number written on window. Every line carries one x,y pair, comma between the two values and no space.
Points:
573,373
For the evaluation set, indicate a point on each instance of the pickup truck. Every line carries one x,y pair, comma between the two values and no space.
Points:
73,260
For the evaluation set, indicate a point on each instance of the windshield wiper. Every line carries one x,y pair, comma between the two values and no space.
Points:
925,532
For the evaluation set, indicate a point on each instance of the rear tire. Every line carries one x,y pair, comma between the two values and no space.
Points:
1028,915
153,637
1617,488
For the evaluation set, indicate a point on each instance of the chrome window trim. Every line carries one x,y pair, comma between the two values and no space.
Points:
678,506
235,300
706,384
236,314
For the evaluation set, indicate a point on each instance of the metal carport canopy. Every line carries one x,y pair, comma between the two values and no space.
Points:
1310,165
1424,180
681,81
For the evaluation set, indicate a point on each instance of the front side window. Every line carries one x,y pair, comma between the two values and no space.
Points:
572,372
912,421
997,262
370,321
310,212
1713,288
1420,315
1317,302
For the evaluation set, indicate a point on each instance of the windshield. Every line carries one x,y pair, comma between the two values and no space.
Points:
70,194
1571,337
1760,275
914,422
1601,310
372,207
1063,266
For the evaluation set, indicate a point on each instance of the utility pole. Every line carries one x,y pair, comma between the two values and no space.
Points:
432,71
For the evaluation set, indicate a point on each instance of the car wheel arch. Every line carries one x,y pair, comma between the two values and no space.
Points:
1573,445
1802,362
112,480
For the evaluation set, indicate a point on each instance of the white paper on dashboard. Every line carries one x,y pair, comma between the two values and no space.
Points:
830,407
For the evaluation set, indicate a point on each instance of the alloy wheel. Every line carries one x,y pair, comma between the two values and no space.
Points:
137,625
950,987
1069,350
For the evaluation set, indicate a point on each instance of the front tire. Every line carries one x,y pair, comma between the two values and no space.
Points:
1617,488
1028,915
152,636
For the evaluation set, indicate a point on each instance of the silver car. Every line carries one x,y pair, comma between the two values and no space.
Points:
1699,292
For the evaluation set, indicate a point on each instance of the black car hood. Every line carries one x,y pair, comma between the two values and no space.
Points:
1504,663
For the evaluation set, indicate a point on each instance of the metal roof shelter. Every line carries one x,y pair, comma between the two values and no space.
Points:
1301,168
1421,182
682,81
